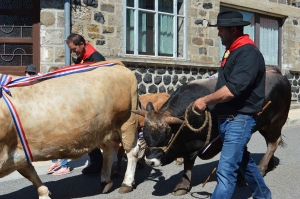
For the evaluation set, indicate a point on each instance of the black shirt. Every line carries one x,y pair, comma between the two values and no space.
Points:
94,57
244,74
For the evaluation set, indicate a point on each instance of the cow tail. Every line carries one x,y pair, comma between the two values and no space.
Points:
282,143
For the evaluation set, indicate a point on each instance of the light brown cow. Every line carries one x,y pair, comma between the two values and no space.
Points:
157,99
69,116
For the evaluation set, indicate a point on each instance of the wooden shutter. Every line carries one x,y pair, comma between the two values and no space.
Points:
19,35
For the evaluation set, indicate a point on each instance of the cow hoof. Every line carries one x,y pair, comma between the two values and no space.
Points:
125,189
44,197
179,192
43,192
106,186
263,173
178,163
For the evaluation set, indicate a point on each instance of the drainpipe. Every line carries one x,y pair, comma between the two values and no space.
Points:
67,13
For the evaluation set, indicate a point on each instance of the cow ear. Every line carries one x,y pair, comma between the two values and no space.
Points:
149,107
140,112
173,120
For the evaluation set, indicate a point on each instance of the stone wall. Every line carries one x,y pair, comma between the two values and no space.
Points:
294,79
291,45
294,3
52,34
203,42
101,23
289,11
162,78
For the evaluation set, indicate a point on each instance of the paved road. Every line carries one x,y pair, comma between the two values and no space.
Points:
159,182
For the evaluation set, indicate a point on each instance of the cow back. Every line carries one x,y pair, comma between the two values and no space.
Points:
70,115
187,94
278,92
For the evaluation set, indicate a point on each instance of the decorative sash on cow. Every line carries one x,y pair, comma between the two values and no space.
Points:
6,82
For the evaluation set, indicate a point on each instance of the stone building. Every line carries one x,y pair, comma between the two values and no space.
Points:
166,43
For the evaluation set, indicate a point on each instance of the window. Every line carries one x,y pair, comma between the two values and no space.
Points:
19,35
155,28
265,31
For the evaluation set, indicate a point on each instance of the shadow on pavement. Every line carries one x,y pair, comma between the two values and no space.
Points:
199,175
84,186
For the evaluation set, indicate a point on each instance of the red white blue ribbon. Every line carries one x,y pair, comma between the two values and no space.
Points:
27,80
6,82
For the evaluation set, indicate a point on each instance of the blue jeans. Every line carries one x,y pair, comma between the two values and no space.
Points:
235,134
64,162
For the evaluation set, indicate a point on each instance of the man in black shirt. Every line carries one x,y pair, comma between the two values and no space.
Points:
85,52
239,96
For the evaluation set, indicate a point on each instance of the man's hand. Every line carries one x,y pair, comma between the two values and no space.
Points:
200,105
220,96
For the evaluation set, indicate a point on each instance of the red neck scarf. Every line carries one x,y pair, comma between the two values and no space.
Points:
242,40
88,51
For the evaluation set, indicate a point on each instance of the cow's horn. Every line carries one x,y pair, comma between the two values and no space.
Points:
140,112
173,120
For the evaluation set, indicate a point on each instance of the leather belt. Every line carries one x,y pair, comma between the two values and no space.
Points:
225,116
234,115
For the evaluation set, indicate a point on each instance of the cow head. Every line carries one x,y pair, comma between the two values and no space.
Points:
157,133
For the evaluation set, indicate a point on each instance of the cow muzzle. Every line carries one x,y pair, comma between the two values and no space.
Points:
153,162
154,157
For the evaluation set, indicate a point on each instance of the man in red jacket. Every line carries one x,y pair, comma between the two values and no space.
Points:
84,51
87,53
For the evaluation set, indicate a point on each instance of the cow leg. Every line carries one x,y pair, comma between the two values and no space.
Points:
132,158
179,161
131,146
108,158
184,184
268,159
30,173
118,169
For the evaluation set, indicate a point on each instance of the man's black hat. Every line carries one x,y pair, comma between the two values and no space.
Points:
230,18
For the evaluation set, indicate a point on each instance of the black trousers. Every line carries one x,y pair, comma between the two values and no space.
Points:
96,156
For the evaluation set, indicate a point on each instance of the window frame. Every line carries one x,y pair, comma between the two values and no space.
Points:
257,34
34,40
257,17
175,14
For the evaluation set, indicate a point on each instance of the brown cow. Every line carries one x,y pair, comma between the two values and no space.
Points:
157,99
69,116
